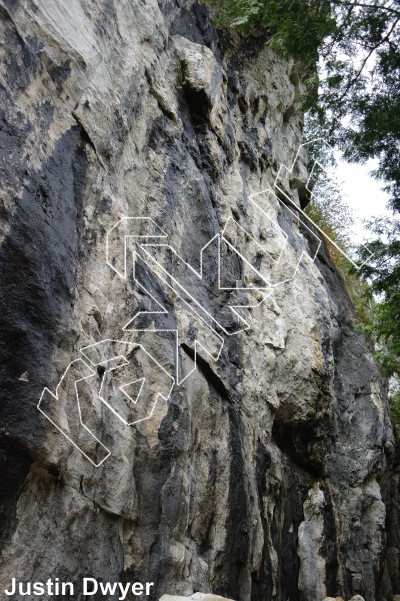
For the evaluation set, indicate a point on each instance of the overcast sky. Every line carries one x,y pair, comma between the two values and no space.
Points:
362,193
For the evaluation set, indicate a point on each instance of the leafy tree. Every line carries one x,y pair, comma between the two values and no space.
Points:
350,53
326,206
394,401
328,209
382,269
356,91
293,27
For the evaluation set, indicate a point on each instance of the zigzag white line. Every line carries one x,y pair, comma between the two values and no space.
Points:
55,396
200,311
176,334
283,167
126,362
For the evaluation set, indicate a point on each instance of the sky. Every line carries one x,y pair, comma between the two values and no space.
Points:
362,193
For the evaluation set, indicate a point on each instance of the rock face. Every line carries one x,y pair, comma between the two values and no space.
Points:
195,597
266,473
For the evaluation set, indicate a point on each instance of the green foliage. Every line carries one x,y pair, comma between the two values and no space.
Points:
375,290
357,44
394,401
328,209
293,27
350,51
354,98
382,270
371,97
381,323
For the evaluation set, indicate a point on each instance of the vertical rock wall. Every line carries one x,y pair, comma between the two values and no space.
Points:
266,475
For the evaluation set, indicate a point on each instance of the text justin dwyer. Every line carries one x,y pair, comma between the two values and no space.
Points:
90,586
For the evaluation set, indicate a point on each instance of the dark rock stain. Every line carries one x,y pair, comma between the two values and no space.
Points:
38,265
237,547
262,585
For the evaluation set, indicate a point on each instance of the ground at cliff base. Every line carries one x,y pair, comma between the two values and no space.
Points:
355,598
195,597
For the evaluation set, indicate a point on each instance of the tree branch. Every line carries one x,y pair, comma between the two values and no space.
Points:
373,6
366,59
328,48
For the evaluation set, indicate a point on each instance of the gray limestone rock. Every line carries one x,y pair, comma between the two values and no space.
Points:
195,597
263,471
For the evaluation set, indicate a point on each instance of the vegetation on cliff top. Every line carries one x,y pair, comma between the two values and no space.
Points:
350,52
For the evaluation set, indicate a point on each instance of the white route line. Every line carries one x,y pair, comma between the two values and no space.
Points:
304,253
283,167
144,221
56,397
125,362
166,275
142,380
197,344
253,240
153,231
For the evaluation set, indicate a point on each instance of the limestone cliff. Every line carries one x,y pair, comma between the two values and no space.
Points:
265,473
